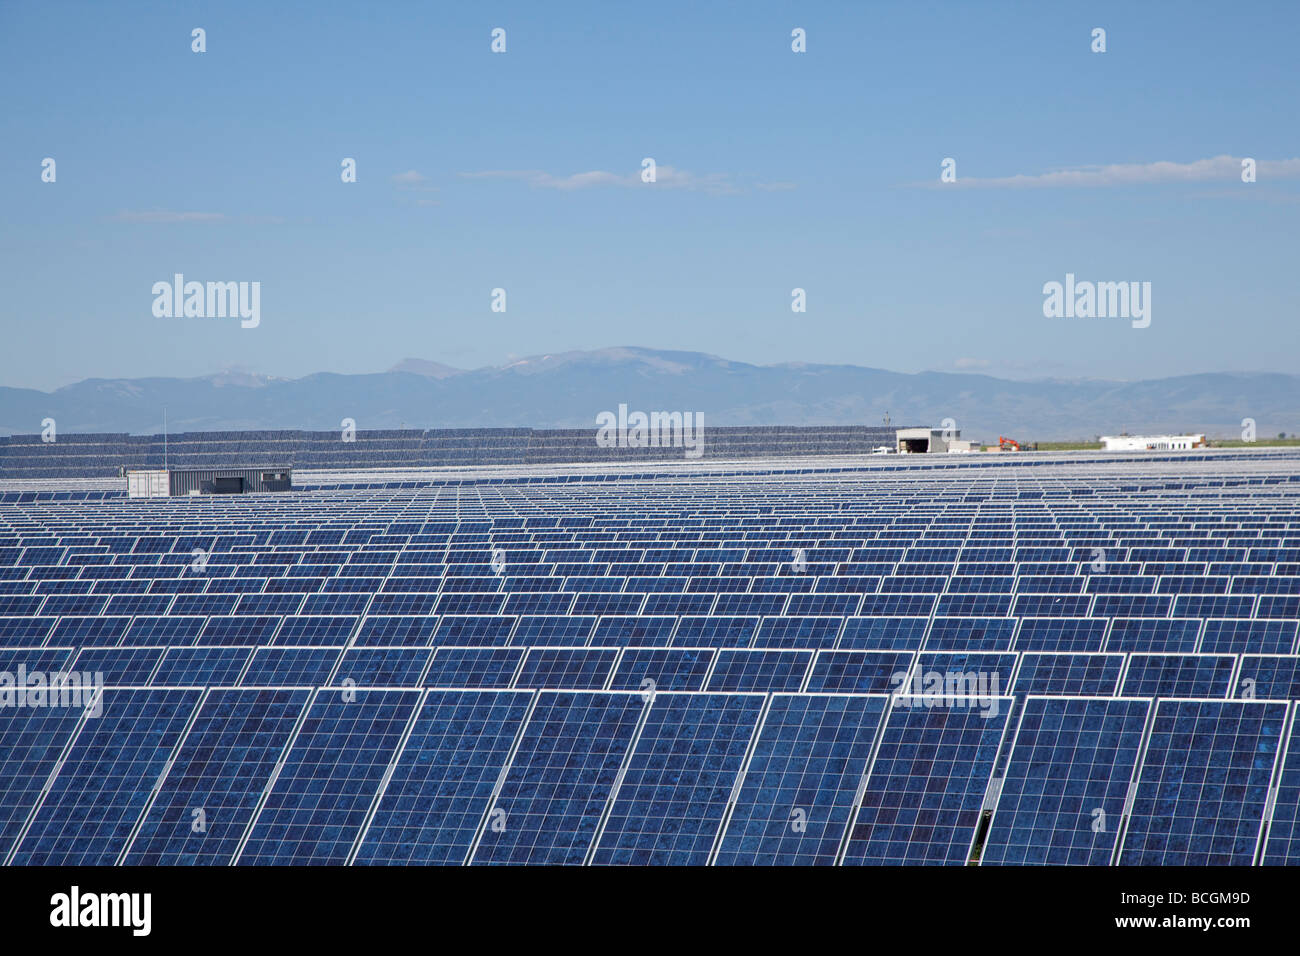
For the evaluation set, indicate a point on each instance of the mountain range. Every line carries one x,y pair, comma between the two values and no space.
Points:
570,389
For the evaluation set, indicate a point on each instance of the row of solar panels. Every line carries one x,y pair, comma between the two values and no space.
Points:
1252,676
1184,635
448,776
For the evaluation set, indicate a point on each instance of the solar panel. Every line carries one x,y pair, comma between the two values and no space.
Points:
1063,793
106,779
796,797
667,669
474,666
444,779
31,740
759,671
670,801
1059,674
301,666
318,803
1203,783
382,666
927,784
557,785
1178,675
201,666
571,668
859,672
1282,837
212,788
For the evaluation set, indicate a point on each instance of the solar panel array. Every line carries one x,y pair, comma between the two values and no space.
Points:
1080,663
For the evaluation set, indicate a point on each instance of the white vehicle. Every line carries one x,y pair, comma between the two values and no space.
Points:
882,450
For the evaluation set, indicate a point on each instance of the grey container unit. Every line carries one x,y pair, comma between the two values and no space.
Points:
230,481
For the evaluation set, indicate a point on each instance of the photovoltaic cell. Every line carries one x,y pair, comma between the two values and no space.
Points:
201,666
221,769
105,782
1178,675
319,802
561,777
760,671
474,666
926,786
679,779
859,672
669,668
796,797
1203,783
31,739
571,668
444,779
1062,796
1078,675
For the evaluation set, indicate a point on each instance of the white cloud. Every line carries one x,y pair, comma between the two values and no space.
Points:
408,179
666,177
1215,169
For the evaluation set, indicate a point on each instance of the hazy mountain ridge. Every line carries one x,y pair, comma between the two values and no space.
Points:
569,389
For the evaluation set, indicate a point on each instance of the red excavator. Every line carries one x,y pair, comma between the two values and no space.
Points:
1008,444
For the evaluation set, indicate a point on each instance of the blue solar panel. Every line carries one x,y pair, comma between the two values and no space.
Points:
1083,635
31,740
221,769
1226,636
679,779
472,630
444,779
1067,778
759,670
382,666
572,668
562,774
715,631
926,786
474,666
395,629
970,634
106,779
1178,675
1154,635
555,630
1282,843
883,633
812,633
1080,675
294,666
797,794
667,668
859,672
634,631
318,804
119,665
1203,783
202,666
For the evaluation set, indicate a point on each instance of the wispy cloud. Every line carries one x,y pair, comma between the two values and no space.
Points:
167,215
413,181
1215,169
666,177
410,179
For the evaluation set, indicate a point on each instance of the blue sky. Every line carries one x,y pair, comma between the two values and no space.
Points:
777,170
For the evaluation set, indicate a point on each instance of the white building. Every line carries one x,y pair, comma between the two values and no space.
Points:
1151,442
